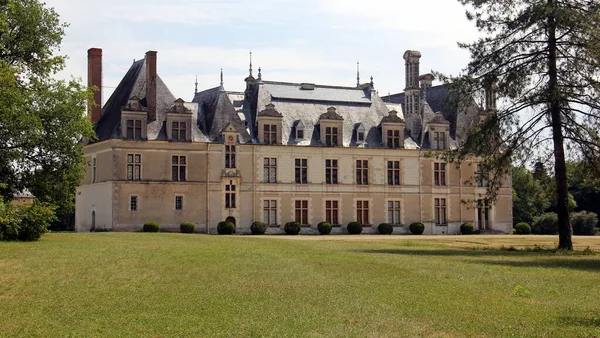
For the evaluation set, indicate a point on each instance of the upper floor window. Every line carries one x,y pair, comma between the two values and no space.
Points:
393,139
331,171
270,170
270,134
229,156
362,212
482,176
299,134
178,164
93,170
134,167
134,129
362,172
393,172
301,170
440,211
439,173
331,136
179,131
230,195
439,140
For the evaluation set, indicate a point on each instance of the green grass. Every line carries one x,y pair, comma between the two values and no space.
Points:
162,285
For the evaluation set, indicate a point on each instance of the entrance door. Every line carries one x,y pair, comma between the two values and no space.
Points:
483,214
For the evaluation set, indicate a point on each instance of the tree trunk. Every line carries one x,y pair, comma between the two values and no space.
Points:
560,168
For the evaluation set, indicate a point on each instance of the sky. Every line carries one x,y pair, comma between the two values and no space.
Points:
315,41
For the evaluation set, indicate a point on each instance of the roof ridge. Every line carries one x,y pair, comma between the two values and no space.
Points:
316,85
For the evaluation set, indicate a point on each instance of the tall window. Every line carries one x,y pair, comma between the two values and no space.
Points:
440,211
229,156
362,172
360,136
393,139
178,203
331,136
362,212
134,129
134,167
439,173
301,169
332,212
301,211
439,140
270,170
483,214
393,212
178,168
270,134
393,172
230,195
179,131
133,203
270,212
483,177
331,171
93,170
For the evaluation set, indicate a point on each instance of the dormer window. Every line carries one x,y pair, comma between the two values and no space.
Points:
331,136
133,120
360,133
331,126
179,131
360,136
439,140
134,129
270,134
179,122
269,125
299,130
392,131
393,139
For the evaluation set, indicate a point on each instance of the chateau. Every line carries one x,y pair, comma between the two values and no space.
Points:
281,152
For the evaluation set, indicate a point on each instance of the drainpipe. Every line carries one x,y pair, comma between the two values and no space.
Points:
207,187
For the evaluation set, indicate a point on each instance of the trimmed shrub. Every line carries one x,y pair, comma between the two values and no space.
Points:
417,228
187,227
584,223
522,229
354,228
25,222
385,228
258,228
151,227
545,224
467,228
324,228
225,228
292,228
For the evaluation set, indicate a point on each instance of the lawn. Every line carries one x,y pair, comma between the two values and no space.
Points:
162,285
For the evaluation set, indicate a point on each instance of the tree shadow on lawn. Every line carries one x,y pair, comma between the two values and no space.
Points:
533,259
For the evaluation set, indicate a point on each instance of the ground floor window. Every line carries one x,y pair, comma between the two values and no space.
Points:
301,211
332,212
178,203
270,212
133,203
362,212
393,212
230,195
440,211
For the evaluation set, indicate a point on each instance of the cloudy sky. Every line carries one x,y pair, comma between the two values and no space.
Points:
316,41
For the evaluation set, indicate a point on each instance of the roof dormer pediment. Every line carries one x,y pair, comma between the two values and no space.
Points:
270,111
331,114
134,105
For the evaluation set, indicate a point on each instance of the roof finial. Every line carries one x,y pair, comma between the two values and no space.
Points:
357,74
372,81
221,77
259,74
250,63
196,88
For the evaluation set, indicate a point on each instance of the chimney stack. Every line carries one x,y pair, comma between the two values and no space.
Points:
95,79
151,84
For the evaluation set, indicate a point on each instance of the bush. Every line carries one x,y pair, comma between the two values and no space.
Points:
187,227
225,228
584,223
324,228
354,228
417,228
467,228
385,228
292,228
258,228
545,224
25,222
522,229
151,227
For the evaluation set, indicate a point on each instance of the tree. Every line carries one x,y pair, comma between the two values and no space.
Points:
542,57
42,119
529,197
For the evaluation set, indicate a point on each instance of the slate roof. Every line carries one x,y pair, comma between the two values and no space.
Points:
320,93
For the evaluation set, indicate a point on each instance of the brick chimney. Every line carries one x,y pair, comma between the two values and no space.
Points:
151,84
95,79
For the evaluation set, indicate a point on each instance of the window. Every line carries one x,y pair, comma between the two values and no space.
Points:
483,214
360,136
301,170
178,203
482,176
134,167
393,172
133,203
270,212
440,211
331,136
270,170
230,195
362,212
301,211
134,129
362,172
179,131
331,212
439,140
178,168
93,170
393,139
394,212
270,134
331,171
299,134
439,173
229,156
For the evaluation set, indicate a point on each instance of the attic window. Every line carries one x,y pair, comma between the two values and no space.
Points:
361,136
307,86
299,130
360,133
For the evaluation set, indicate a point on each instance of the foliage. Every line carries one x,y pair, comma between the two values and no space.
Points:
225,228
324,228
522,228
584,223
258,228
584,185
416,228
529,197
354,228
187,227
151,227
26,222
41,119
545,224
292,228
467,228
385,228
